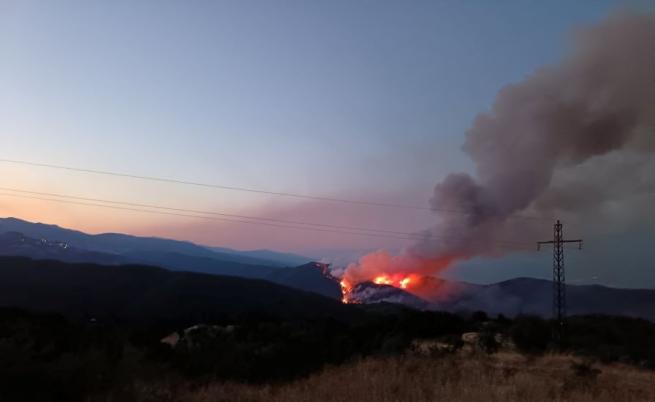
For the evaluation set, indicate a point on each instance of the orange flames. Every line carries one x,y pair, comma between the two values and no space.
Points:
399,281
402,271
346,289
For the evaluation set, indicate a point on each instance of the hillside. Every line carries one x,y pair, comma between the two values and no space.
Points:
282,259
41,241
113,243
388,353
534,296
17,244
314,277
142,293
518,296
118,243
371,293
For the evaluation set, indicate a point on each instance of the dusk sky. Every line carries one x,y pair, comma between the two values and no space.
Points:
361,100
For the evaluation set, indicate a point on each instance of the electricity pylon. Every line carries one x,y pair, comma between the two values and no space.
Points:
559,280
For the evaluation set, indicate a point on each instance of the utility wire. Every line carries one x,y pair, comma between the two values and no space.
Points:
193,216
216,186
195,211
240,218
411,235
256,218
252,190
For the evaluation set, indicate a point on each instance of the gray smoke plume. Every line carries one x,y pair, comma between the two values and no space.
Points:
570,137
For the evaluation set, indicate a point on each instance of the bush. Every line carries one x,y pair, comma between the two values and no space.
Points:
530,334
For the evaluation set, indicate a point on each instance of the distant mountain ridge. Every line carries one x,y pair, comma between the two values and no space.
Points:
522,296
113,243
115,248
17,244
534,296
283,259
41,241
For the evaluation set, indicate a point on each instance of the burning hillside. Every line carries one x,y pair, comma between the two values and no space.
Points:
369,292
428,289
399,281
413,275
380,270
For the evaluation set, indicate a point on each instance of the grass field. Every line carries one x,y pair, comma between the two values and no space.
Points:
461,377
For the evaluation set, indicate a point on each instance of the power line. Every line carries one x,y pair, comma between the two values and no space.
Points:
252,190
195,211
226,217
216,186
194,216
409,235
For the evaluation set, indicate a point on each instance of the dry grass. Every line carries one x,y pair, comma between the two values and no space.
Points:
465,377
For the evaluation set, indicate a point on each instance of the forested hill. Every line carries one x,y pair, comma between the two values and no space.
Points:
142,293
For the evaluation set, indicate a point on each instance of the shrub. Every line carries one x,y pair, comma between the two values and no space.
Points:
530,334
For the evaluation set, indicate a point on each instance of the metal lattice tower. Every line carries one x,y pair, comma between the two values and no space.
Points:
559,279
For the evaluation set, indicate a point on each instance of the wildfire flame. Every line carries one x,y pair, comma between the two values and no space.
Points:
382,280
403,271
393,280
346,289
399,281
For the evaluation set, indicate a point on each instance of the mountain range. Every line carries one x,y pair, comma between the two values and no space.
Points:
38,240
51,242
513,297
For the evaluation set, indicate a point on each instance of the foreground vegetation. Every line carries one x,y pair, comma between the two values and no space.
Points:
505,377
45,357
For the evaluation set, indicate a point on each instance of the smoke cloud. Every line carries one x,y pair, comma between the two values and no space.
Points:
569,137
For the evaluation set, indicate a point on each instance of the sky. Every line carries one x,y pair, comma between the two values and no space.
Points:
360,100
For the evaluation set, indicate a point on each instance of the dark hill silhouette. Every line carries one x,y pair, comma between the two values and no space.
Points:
142,293
182,262
314,277
122,244
534,296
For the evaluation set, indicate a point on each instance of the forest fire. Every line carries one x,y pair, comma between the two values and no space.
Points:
411,274
346,289
426,287
398,281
